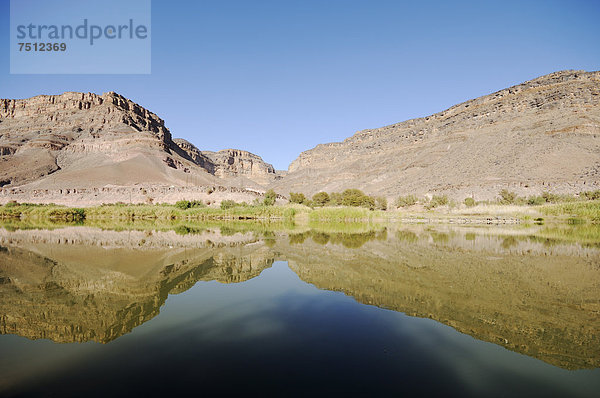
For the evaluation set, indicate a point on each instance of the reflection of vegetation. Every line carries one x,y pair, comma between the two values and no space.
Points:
588,210
407,236
319,237
349,240
588,235
298,238
509,242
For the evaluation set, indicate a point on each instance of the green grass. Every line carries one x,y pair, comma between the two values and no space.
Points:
345,214
48,212
589,210
143,212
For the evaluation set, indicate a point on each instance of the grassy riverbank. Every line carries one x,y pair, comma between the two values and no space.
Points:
144,212
583,211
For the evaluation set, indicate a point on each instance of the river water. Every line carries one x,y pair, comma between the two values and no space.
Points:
277,310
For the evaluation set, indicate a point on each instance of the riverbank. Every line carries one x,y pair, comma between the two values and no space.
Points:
572,212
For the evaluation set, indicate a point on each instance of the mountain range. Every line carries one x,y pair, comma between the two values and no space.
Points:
84,148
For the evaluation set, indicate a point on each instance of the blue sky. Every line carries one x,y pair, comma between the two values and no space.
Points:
279,77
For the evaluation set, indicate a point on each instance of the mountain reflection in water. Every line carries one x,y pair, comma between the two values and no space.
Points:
534,292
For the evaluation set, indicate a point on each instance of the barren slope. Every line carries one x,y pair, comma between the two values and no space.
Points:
540,135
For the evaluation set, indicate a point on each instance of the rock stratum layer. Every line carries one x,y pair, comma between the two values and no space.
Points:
87,142
537,136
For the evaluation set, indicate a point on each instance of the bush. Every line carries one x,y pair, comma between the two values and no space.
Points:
196,203
270,197
182,204
590,195
297,198
536,201
405,201
507,197
12,203
320,199
228,204
335,199
470,202
356,198
437,200
381,203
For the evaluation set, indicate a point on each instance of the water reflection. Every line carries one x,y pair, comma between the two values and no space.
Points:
532,290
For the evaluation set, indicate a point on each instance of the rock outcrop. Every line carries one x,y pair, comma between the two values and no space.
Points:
231,163
541,135
85,141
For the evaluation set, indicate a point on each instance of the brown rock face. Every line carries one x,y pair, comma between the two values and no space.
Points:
88,141
541,135
235,162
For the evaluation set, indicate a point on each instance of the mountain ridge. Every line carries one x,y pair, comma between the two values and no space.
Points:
535,136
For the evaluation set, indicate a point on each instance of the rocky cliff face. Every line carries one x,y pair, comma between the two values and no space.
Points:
231,163
86,141
543,134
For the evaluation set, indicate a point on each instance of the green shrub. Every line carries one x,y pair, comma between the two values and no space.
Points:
196,204
405,201
357,198
507,197
536,201
590,195
437,200
335,199
12,203
228,204
470,202
297,198
270,197
381,203
182,204
320,199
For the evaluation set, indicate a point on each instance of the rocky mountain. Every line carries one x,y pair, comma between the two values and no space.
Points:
94,143
231,163
541,135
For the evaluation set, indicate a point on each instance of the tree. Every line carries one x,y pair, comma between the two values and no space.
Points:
270,197
405,201
352,197
470,202
335,199
297,198
507,197
320,199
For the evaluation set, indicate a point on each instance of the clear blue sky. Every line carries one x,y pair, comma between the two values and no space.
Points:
279,77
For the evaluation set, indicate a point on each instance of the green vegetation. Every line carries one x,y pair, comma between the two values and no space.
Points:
381,203
187,204
321,199
34,211
589,210
469,202
406,201
297,198
145,212
270,197
436,201
345,214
